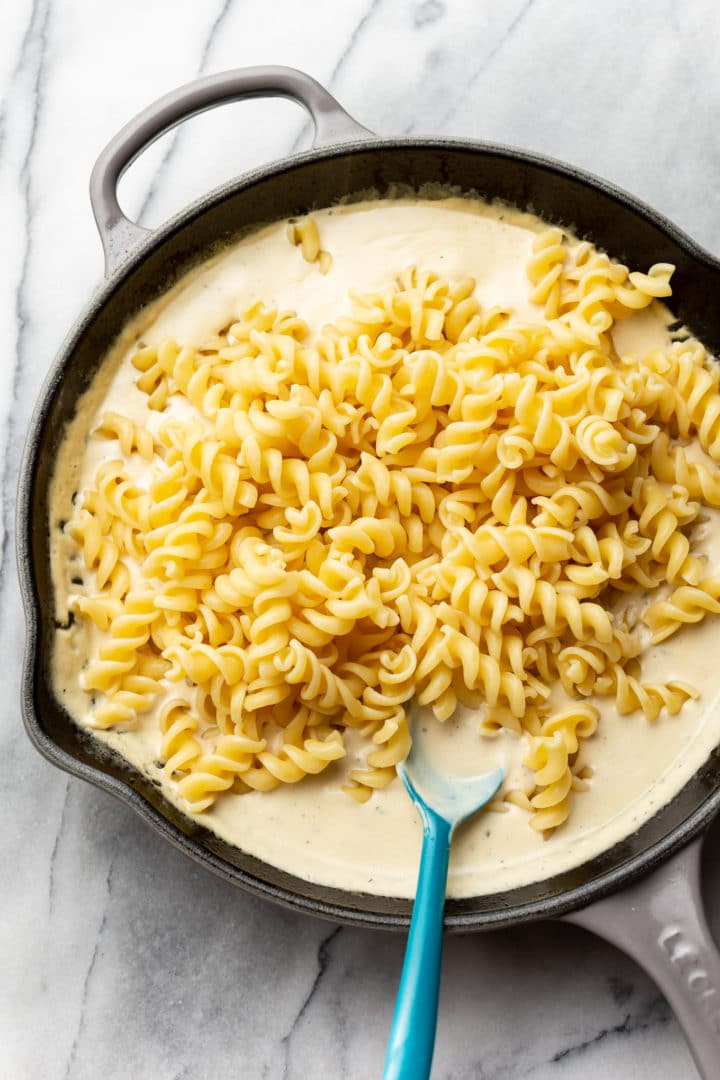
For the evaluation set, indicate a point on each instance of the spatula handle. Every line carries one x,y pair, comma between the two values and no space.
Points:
412,1035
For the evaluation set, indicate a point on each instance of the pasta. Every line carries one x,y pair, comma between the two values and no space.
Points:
305,235
427,500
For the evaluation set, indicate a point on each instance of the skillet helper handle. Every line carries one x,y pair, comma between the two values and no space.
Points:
118,233
661,924
412,1035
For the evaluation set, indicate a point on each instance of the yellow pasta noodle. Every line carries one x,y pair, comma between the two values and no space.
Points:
426,500
305,235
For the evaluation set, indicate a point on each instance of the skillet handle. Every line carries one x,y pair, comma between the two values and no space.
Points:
119,235
661,924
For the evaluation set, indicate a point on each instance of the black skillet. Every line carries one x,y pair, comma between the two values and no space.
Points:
657,917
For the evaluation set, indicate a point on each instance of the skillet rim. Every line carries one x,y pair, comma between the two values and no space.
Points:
549,907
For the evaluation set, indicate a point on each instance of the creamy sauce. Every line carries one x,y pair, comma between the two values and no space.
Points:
313,829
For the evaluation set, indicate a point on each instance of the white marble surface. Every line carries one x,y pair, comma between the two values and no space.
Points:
119,957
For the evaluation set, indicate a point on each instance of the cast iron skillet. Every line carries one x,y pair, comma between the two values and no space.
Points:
658,916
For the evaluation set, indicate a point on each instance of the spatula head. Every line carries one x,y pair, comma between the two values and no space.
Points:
454,798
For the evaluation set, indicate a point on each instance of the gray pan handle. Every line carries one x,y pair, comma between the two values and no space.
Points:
118,233
661,924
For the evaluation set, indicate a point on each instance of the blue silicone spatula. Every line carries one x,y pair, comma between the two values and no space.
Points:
444,802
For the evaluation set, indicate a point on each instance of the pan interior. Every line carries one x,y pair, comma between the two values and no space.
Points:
591,211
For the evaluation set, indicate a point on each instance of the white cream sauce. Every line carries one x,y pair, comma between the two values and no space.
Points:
313,829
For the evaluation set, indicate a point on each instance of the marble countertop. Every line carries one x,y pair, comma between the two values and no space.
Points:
119,957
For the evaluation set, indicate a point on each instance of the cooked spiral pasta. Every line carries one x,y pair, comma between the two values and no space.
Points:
425,500
305,234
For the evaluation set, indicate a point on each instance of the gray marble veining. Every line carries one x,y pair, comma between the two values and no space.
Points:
119,957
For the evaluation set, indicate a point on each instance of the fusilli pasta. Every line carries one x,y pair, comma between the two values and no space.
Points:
426,500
